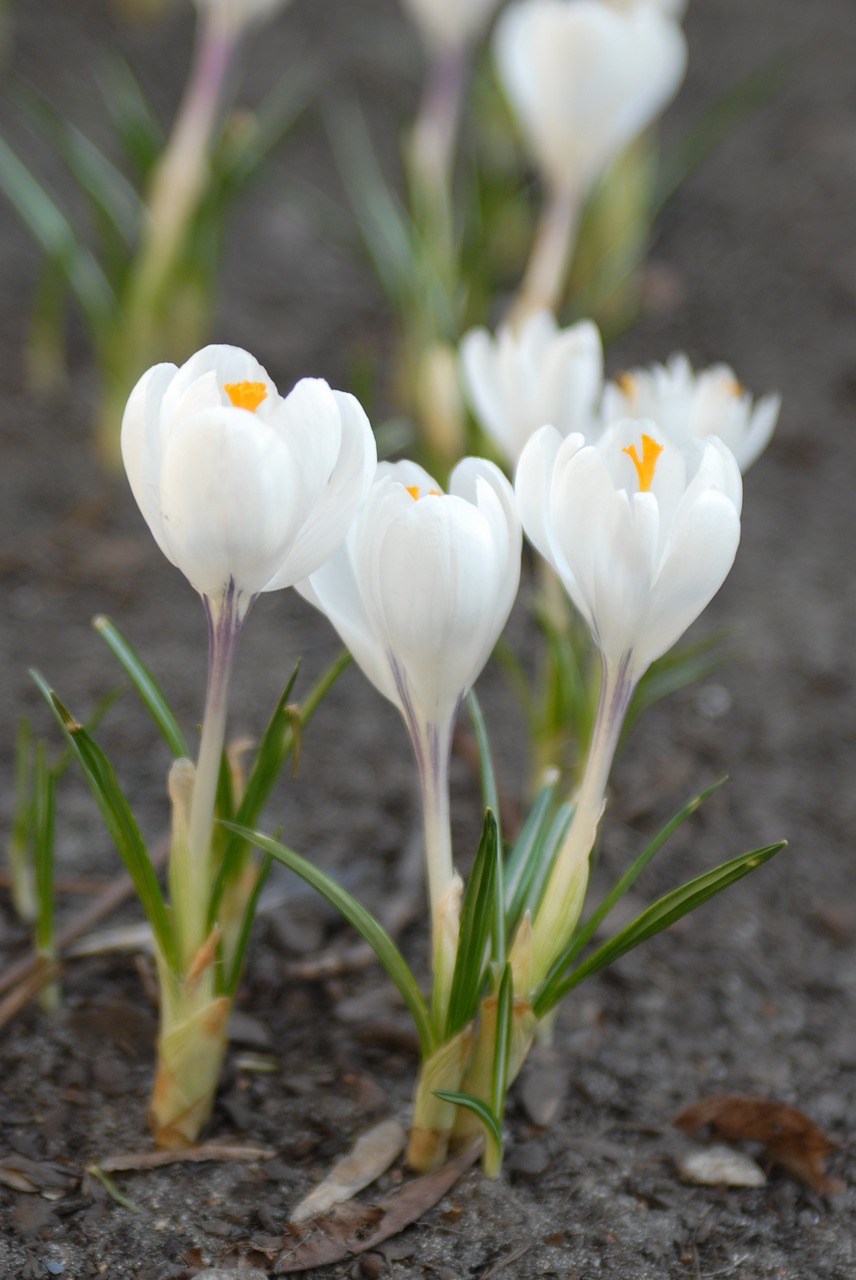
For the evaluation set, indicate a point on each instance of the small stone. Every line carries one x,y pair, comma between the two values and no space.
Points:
529,1159
720,1165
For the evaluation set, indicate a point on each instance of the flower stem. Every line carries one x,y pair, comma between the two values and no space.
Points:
544,279
565,891
225,617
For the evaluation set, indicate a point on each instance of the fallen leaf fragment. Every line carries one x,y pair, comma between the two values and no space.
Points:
137,1160
789,1138
36,1177
720,1166
370,1156
357,1228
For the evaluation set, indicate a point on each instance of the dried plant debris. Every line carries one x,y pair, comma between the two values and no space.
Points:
720,1166
36,1177
371,1155
788,1137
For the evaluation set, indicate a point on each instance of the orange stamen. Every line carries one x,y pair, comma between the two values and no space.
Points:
626,384
645,465
246,395
413,490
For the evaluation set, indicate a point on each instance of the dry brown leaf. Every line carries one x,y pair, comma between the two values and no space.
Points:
789,1138
354,1228
134,1161
370,1156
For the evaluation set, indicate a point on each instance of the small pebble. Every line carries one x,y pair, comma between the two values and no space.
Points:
720,1165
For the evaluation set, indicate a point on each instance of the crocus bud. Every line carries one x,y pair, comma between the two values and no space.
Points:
529,377
692,406
584,79
450,24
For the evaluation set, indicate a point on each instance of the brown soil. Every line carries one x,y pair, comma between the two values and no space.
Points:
755,264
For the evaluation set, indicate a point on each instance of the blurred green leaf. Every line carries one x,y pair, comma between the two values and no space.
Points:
478,914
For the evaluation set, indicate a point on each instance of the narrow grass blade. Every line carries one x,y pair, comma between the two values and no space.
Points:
490,800
365,924
19,846
477,918
658,916
502,1043
535,872
140,132
585,931
680,667
236,961
527,846
43,852
145,684
118,818
478,1107
55,235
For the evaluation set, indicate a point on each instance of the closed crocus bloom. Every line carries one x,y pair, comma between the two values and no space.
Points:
688,405
527,377
419,592
244,490
584,79
641,532
450,24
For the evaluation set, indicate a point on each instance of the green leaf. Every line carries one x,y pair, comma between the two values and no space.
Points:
118,819
490,800
237,960
658,916
140,132
478,1107
478,914
145,684
535,872
245,142
43,851
54,233
682,666
528,846
502,1044
365,924
112,196
585,931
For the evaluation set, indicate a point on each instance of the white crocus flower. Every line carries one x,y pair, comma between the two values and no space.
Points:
584,79
450,24
671,8
688,405
419,592
244,491
233,15
536,374
642,534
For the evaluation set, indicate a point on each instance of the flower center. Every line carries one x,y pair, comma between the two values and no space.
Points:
413,490
645,465
246,395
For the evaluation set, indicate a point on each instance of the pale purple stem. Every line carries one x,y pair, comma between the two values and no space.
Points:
544,279
225,618
435,132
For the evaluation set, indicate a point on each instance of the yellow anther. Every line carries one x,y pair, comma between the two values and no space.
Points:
413,490
246,395
645,465
734,387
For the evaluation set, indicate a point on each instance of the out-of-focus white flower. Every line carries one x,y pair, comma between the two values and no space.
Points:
671,8
584,79
450,24
533,376
687,406
641,532
419,592
233,15
244,490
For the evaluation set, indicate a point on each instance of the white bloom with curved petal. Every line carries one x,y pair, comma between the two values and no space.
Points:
671,8
584,79
244,490
450,24
534,375
641,532
693,406
424,583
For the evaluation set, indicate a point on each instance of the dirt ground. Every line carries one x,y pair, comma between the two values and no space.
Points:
755,264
